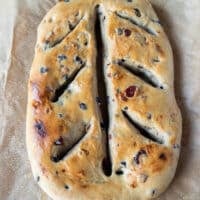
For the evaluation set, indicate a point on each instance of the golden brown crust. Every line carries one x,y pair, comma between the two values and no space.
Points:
65,140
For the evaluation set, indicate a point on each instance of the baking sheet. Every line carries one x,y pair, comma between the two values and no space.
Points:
18,23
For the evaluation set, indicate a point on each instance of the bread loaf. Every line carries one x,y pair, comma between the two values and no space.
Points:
102,119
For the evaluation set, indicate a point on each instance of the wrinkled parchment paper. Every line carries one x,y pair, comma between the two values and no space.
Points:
18,23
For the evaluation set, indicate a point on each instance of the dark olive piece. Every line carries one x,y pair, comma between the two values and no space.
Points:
119,172
44,70
39,127
83,106
67,187
137,157
137,12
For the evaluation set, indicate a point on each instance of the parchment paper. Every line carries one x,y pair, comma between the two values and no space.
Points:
18,22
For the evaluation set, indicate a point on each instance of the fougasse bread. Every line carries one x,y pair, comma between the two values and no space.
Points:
102,119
